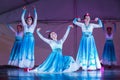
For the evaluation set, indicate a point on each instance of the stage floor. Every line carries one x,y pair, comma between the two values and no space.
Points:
13,73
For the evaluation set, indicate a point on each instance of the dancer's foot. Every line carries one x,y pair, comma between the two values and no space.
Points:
27,69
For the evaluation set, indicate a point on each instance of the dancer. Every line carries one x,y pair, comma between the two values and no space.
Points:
56,62
27,49
14,55
87,56
108,56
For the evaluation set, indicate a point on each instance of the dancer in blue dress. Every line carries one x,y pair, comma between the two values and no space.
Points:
87,56
14,55
56,62
27,49
108,56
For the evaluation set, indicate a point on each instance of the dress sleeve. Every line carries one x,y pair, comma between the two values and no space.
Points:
66,34
12,29
43,38
35,19
114,28
22,18
77,23
99,25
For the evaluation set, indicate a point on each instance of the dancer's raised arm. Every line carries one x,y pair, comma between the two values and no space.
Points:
114,27
23,17
35,19
99,25
67,32
11,28
43,38
75,21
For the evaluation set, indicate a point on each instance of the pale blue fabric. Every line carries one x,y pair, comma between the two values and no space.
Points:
14,55
27,51
108,56
56,62
87,56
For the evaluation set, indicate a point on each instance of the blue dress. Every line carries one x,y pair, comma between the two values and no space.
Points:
14,55
87,56
56,62
108,56
27,49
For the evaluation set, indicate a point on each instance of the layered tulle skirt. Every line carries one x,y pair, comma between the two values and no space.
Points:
14,55
87,56
27,51
56,62
108,56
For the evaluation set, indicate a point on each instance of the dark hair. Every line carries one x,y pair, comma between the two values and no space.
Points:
109,28
87,14
31,18
19,26
49,35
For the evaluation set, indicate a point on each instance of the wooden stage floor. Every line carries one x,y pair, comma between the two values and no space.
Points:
13,73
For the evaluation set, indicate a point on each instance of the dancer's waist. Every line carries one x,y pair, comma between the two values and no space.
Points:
57,49
18,38
28,34
87,34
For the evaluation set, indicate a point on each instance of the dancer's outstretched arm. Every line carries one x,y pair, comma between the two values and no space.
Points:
35,19
43,38
67,32
75,21
114,27
23,17
11,28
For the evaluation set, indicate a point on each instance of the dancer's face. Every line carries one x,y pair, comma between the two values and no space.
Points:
29,21
87,19
109,30
19,28
53,35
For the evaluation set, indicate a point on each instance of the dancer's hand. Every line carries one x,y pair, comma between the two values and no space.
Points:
75,20
24,8
71,26
96,19
38,29
8,25
113,23
34,7
78,19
